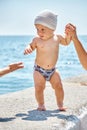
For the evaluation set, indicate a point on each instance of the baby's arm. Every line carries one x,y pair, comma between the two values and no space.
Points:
69,34
30,47
64,40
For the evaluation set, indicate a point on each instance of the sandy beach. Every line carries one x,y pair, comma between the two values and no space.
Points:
18,109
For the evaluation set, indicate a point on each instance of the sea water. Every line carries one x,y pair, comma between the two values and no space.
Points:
12,50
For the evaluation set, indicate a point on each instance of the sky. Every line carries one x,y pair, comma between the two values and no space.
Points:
17,16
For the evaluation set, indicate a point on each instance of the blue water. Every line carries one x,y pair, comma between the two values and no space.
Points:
11,50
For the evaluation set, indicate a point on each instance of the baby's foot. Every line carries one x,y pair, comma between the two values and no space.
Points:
62,108
41,108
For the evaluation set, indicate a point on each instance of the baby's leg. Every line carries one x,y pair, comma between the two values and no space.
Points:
39,82
59,92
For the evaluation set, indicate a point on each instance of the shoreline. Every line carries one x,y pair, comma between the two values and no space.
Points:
68,79
18,109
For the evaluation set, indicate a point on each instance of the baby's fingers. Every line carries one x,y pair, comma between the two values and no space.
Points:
27,51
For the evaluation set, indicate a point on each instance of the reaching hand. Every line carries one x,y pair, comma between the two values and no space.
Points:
10,68
15,66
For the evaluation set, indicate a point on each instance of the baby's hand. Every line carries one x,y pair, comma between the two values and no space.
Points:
28,50
70,30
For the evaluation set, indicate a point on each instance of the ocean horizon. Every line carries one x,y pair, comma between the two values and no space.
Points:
12,49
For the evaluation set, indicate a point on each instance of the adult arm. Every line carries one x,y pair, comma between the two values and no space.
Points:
10,68
82,54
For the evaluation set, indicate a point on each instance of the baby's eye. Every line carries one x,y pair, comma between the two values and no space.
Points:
42,29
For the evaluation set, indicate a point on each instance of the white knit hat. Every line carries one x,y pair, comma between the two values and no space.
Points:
47,18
